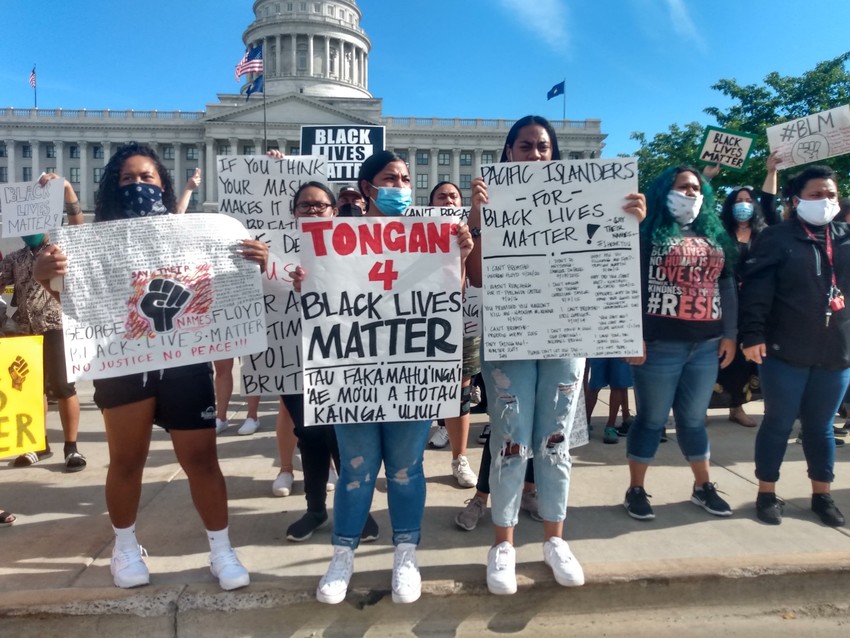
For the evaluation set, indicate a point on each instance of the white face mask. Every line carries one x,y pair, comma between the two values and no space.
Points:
817,212
683,208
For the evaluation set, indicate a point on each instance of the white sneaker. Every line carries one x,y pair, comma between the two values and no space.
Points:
249,427
439,439
333,477
282,485
128,567
407,583
231,574
565,567
501,569
463,473
221,425
334,584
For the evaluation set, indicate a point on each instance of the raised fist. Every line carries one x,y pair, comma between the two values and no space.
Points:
163,301
18,372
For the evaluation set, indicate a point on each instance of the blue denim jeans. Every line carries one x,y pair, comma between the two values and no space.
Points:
814,395
531,407
678,375
362,449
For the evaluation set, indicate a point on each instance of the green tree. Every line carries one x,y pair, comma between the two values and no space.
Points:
679,145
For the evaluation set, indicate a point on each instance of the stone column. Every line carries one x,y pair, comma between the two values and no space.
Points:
411,162
36,170
293,54
456,166
85,177
60,159
327,57
476,162
234,146
259,146
11,149
207,158
435,152
179,173
310,55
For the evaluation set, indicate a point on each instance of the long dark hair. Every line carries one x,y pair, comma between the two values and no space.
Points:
107,204
757,223
373,165
521,124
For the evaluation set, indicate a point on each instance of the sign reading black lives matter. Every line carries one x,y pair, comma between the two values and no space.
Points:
157,292
343,147
28,209
381,303
812,138
726,147
257,190
561,260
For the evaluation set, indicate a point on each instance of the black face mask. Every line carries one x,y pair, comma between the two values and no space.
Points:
350,210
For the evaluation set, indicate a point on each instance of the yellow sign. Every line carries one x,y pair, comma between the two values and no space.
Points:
21,396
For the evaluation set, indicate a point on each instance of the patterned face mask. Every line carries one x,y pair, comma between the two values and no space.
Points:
142,200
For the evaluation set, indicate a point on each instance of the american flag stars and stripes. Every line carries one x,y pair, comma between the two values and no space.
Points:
252,62
32,78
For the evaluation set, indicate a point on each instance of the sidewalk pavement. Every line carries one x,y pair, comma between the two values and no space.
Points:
55,558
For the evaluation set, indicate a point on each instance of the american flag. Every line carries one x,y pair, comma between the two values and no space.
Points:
252,62
32,78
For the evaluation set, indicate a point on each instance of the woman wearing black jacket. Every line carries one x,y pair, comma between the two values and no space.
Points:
794,325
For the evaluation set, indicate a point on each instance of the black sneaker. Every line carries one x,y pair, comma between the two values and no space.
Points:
708,499
664,434
484,436
303,528
637,504
841,430
623,428
769,509
824,506
370,532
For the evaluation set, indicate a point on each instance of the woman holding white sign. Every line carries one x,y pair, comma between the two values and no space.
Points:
531,404
384,181
136,184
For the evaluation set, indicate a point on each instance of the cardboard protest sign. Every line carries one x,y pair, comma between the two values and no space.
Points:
382,319
731,149
258,191
28,209
158,292
561,260
343,147
812,138
21,396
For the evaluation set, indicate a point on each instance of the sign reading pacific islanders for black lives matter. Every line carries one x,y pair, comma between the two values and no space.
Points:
561,260
343,147
257,190
28,209
381,304
157,292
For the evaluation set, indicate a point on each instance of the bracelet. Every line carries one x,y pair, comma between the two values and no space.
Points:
475,232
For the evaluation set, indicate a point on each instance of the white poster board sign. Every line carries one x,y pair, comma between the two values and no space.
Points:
382,319
157,292
257,190
28,209
561,260
812,138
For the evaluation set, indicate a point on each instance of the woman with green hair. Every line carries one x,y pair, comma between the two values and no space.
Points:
689,323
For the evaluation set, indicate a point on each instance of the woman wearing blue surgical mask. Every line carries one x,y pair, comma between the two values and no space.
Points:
384,181
689,323
795,326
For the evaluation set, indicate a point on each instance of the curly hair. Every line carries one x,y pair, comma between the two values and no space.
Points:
107,204
661,228
757,223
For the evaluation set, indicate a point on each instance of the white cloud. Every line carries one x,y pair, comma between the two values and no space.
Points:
683,25
546,18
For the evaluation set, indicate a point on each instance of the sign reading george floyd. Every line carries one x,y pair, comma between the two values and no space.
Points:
730,149
344,147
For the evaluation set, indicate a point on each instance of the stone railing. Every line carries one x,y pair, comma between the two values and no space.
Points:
99,114
591,125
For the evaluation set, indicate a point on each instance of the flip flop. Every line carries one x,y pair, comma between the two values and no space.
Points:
7,518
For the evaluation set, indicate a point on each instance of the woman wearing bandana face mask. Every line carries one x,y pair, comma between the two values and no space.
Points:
690,314
794,325
181,400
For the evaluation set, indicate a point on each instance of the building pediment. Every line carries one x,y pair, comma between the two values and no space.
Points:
291,108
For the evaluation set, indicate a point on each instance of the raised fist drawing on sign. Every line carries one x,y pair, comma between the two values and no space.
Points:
18,372
163,301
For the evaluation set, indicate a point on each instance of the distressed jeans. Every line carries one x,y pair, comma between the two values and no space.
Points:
363,447
531,408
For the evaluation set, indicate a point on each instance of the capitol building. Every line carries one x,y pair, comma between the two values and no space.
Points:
316,59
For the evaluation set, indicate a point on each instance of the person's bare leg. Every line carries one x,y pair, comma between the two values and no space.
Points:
223,383
458,428
69,416
197,455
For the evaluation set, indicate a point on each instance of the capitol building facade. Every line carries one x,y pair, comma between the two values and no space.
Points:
316,60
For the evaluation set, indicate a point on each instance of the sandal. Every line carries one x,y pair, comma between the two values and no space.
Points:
7,518
31,458
75,462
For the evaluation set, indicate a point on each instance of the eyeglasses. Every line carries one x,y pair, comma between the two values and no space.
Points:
306,207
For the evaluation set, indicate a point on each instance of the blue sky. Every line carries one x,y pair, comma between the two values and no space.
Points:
638,65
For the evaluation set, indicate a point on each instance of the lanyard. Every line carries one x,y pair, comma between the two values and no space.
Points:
828,252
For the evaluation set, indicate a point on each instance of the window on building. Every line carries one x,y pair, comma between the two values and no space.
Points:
50,169
224,149
74,151
191,152
26,173
295,150
444,158
301,61
4,174
466,158
402,154
74,174
2,150
330,10
97,174
422,158
190,173
97,151
444,177
50,151
289,6
574,155
317,7
26,151
168,152
488,157
465,182
170,174
303,6
249,149
421,180
421,200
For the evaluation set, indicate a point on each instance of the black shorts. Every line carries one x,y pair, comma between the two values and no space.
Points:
55,377
185,399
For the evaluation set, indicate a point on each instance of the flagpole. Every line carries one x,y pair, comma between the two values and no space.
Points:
565,99
35,88
265,132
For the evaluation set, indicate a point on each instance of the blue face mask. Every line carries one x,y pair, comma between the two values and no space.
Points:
33,241
141,200
742,211
393,201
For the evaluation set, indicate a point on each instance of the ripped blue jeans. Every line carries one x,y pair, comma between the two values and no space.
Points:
363,447
531,408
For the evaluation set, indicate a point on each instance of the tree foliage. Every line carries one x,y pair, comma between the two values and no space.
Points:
754,108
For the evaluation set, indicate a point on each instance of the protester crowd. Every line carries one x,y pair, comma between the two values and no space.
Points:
772,317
